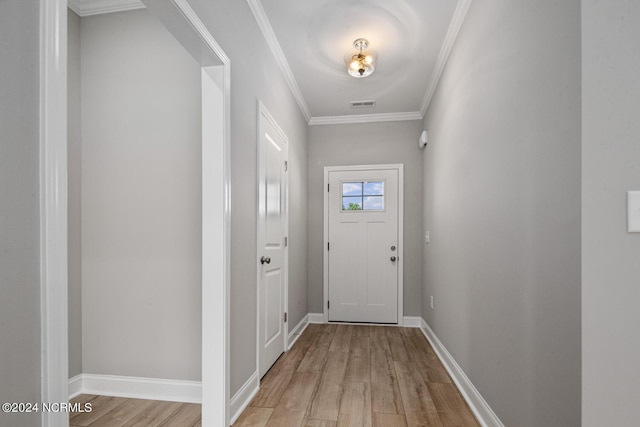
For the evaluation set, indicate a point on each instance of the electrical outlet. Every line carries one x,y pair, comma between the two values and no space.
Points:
426,237
431,302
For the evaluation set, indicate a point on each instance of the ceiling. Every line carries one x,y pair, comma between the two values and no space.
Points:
412,39
311,40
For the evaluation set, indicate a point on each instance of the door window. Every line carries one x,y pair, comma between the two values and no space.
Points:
363,196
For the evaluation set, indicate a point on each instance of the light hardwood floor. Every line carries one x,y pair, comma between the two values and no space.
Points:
119,412
352,375
334,375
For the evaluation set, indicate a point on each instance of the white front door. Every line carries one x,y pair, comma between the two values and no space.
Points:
363,246
272,251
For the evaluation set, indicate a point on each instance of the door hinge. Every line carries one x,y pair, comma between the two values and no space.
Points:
328,245
328,305
286,165
285,317
286,241
327,188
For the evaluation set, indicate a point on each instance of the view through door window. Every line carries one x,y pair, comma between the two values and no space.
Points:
363,196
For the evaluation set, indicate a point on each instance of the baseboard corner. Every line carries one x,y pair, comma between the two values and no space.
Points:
316,317
412,321
75,386
295,333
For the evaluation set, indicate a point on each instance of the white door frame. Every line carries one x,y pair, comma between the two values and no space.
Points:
53,208
184,24
263,112
353,168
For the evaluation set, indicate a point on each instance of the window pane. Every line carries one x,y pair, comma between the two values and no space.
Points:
352,203
374,203
374,188
351,188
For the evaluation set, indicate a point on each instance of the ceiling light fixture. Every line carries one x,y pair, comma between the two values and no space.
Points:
361,64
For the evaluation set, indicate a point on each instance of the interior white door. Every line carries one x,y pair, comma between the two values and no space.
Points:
272,251
363,246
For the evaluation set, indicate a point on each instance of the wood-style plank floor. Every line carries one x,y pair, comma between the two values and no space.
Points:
109,411
352,375
334,376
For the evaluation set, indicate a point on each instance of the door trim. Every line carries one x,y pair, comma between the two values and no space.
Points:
53,209
187,28
400,168
263,112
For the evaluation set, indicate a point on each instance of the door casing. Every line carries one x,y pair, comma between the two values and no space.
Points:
400,169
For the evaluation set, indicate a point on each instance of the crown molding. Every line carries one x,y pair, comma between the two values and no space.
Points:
272,41
365,118
97,7
449,40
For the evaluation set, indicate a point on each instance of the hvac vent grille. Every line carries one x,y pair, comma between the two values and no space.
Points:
362,104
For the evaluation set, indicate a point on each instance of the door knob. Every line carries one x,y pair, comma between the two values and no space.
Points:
393,259
265,260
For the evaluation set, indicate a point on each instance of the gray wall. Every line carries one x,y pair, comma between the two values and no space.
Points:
370,143
256,76
141,200
19,205
74,211
502,203
610,255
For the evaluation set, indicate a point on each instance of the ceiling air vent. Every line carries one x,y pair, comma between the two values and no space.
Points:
362,104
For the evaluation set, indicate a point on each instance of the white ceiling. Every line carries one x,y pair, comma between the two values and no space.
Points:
412,39
311,39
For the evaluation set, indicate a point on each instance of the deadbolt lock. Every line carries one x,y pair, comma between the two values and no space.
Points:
393,248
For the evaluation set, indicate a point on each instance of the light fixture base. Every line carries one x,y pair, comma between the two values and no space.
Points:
361,44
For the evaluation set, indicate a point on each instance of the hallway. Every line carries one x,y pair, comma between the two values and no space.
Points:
343,375
520,262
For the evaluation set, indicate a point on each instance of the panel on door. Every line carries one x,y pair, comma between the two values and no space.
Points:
363,246
272,157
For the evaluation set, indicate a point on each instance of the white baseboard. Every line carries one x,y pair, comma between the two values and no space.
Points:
241,399
408,321
483,412
75,386
137,388
316,317
412,321
295,333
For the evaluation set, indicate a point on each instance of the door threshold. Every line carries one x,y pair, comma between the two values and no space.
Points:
341,322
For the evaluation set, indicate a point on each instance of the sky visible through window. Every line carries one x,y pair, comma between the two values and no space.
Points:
363,195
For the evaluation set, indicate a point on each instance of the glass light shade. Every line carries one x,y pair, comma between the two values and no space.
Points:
361,66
